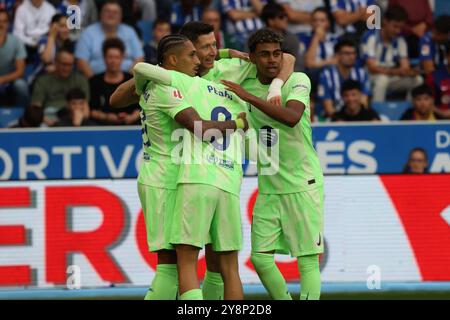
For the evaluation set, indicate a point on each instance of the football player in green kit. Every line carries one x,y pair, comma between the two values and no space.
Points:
164,110
288,213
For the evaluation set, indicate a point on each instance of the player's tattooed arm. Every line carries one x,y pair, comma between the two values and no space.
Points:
205,129
124,95
286,71
290,115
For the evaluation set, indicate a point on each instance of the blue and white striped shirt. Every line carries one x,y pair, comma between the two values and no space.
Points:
179,18
330,83
385,54
349,6
430,50
245,26
325,49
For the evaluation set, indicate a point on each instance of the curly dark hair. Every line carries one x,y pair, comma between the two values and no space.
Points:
264,35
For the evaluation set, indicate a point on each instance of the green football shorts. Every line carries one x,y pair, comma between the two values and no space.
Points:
157,205
205,214
289,223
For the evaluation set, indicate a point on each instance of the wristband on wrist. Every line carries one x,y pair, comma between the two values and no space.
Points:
240,124
224,53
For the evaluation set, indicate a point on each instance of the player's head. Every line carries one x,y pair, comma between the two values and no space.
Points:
265,52
351,94
394,21
417,161
441,29
204,40
176,52
423,101
346,52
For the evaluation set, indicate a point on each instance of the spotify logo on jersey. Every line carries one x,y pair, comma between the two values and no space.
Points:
268,136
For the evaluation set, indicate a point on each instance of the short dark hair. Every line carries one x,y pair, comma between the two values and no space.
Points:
113,43
344,42
193,30
75,94
406,168
169,42
271,11
117,2
159,21
5,12
66,48
349,85
321,9
442,24
264,35
396,13
57,17
421,90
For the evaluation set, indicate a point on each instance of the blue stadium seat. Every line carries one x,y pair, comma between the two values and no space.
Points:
391,110
146,30
8,115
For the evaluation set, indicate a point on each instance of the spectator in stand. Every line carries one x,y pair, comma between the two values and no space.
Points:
423,106
148,9
433,46
417,162
160,29
318,47
243,19
275,17
299,13
89,47
350,16
184,11
106,83
212,17
420,20
31,23
77,110
385,53
9,6
12,66
32,118
332,78
50,89
88,10
353,109
439,81
58,37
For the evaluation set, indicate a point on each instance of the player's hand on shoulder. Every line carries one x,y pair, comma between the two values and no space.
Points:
239,54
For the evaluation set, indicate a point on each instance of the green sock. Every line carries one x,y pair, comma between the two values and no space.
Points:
165,283
212,286
270,276
194,294
310,277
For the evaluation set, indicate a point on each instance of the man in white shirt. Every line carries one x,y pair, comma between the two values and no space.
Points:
32,21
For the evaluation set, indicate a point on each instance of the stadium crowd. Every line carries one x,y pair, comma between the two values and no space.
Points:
60,66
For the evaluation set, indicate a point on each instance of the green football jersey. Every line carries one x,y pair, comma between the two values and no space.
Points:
287,160
218,163
159,106
234,70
